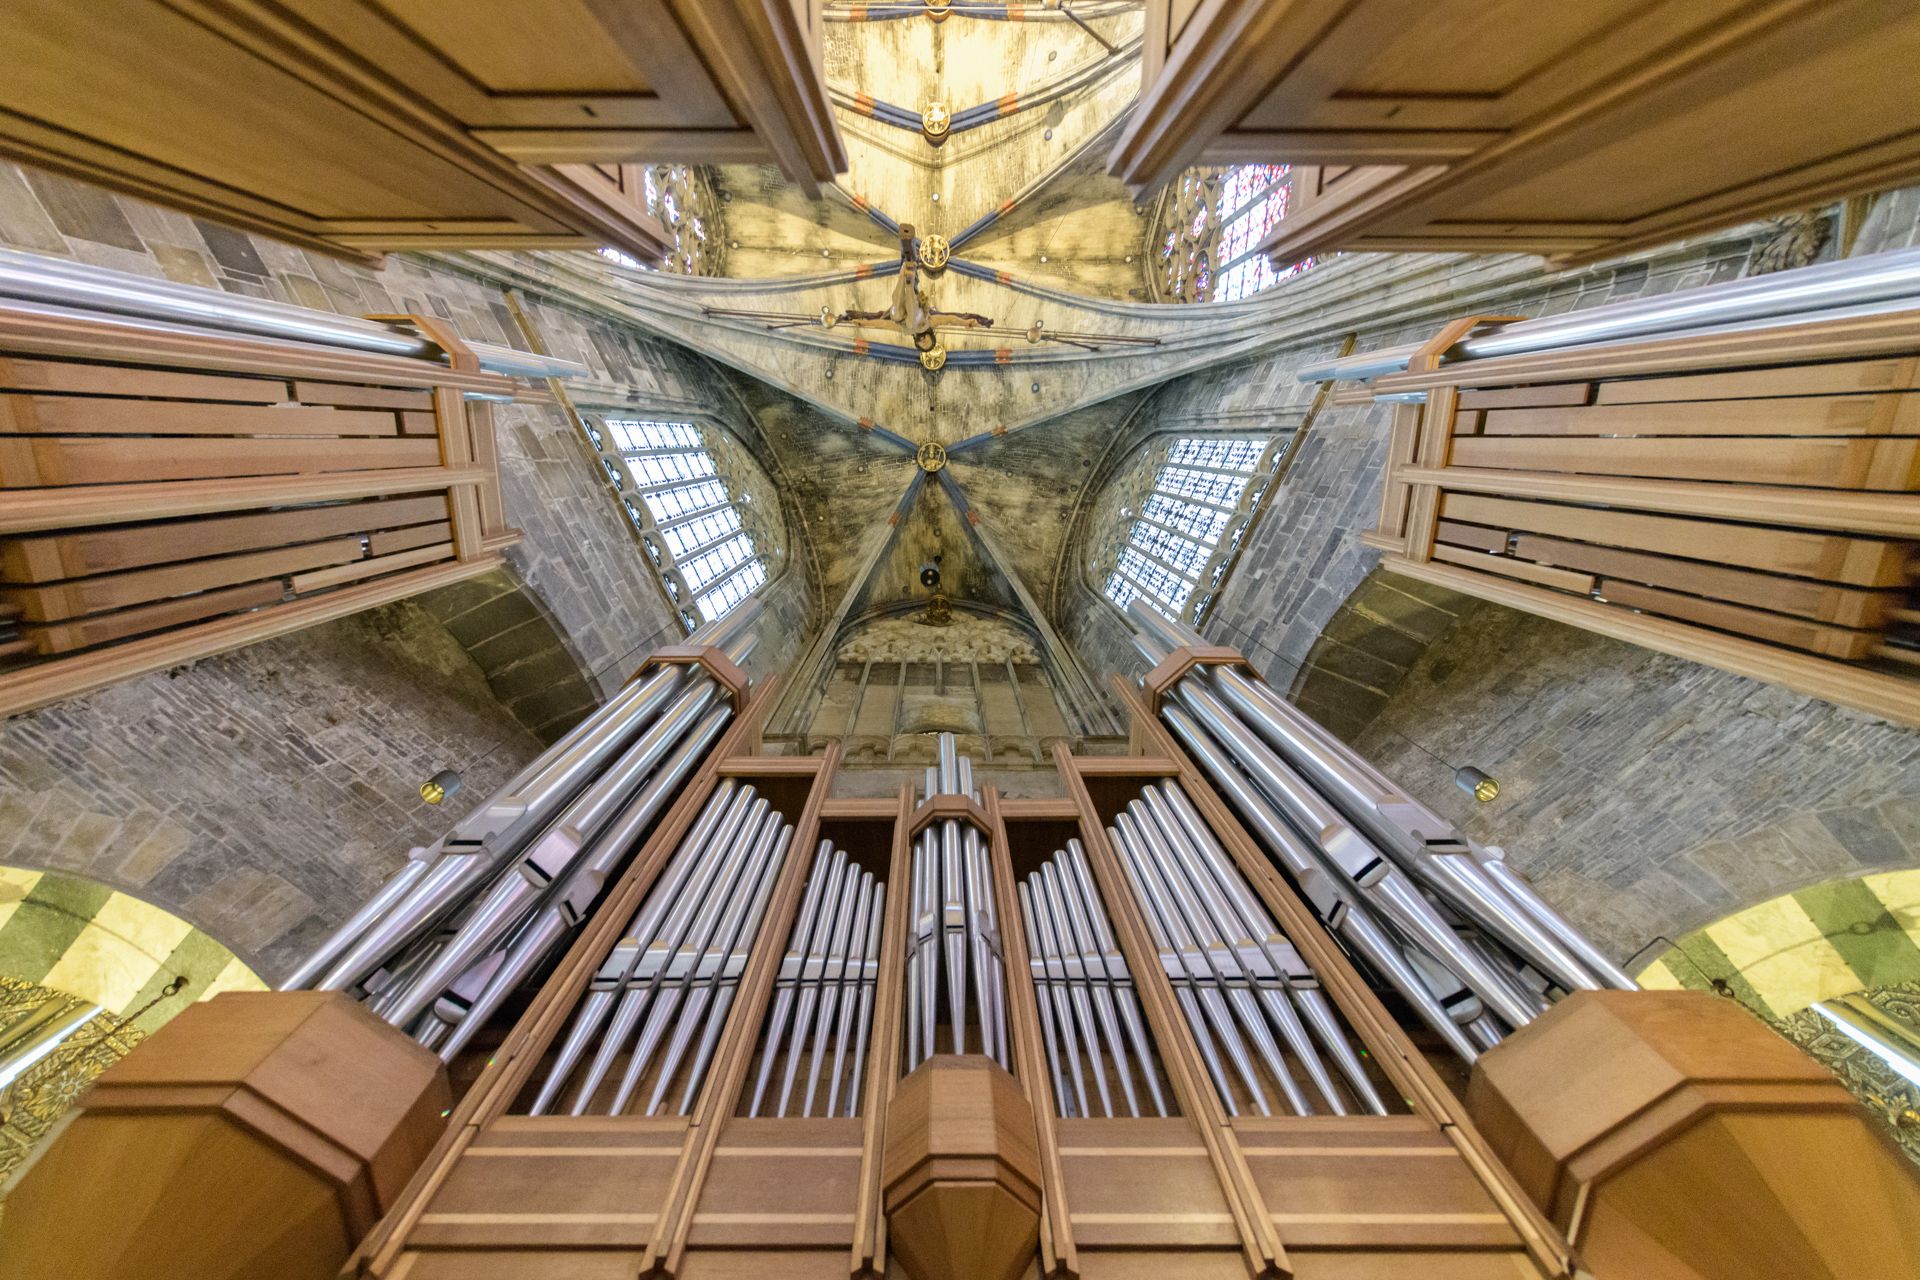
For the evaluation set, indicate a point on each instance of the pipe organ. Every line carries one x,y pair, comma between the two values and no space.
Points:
1210,1011
184,471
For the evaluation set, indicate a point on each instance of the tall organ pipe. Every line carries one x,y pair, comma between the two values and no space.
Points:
467,920
536,942
1445,922
823,995
955,945
1341,907
673,977
1082,983
725,810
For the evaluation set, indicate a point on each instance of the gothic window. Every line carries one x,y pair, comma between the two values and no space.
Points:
682,197
1175,551
1214,220
682,500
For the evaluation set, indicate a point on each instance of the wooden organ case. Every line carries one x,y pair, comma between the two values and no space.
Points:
1579,131
361,127
706,1018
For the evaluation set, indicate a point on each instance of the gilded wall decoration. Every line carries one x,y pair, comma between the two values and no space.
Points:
32,1103
1893,1098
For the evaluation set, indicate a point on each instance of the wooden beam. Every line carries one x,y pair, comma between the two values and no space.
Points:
35,510
1878,694
1890,515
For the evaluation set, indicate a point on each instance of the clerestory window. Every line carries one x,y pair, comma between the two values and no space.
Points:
1188,523
1216,219
689,519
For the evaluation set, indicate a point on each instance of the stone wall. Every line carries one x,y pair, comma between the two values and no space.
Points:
1645,795
579,555
261,794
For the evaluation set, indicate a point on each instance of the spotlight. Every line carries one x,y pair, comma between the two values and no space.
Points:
1477,783
440,786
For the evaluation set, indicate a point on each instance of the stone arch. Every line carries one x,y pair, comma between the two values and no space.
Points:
1363,655
87,971
1824,940
109,946
519,646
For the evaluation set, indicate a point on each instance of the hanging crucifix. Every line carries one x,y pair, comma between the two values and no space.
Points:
911,311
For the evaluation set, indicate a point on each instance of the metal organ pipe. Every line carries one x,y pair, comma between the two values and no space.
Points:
716,829
1441,1000
662,994
466,921
1084,991
1447,923
823,997
1078,886
955,943
1252,1002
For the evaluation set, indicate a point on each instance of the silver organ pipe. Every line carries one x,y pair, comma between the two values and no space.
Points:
1085,994
468,920
823,996
1447,923
955,944
1271,1040
654,1010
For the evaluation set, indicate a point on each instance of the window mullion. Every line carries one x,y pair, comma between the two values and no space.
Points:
752,557
1228,472
660,453
677,521
670,485
1232,216
1198,502
1144,589
694,553
1162,561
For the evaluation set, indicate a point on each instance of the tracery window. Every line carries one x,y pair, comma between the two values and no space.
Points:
1189,521
699,528
1214,220
684,199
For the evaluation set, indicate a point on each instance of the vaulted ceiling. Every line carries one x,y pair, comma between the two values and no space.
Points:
1041,240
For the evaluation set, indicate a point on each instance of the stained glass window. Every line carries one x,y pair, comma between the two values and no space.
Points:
1219,217
623,259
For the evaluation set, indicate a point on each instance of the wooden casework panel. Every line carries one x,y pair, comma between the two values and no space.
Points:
1748,501
361,126
1575,130
1630,1116
174,493
258,1133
